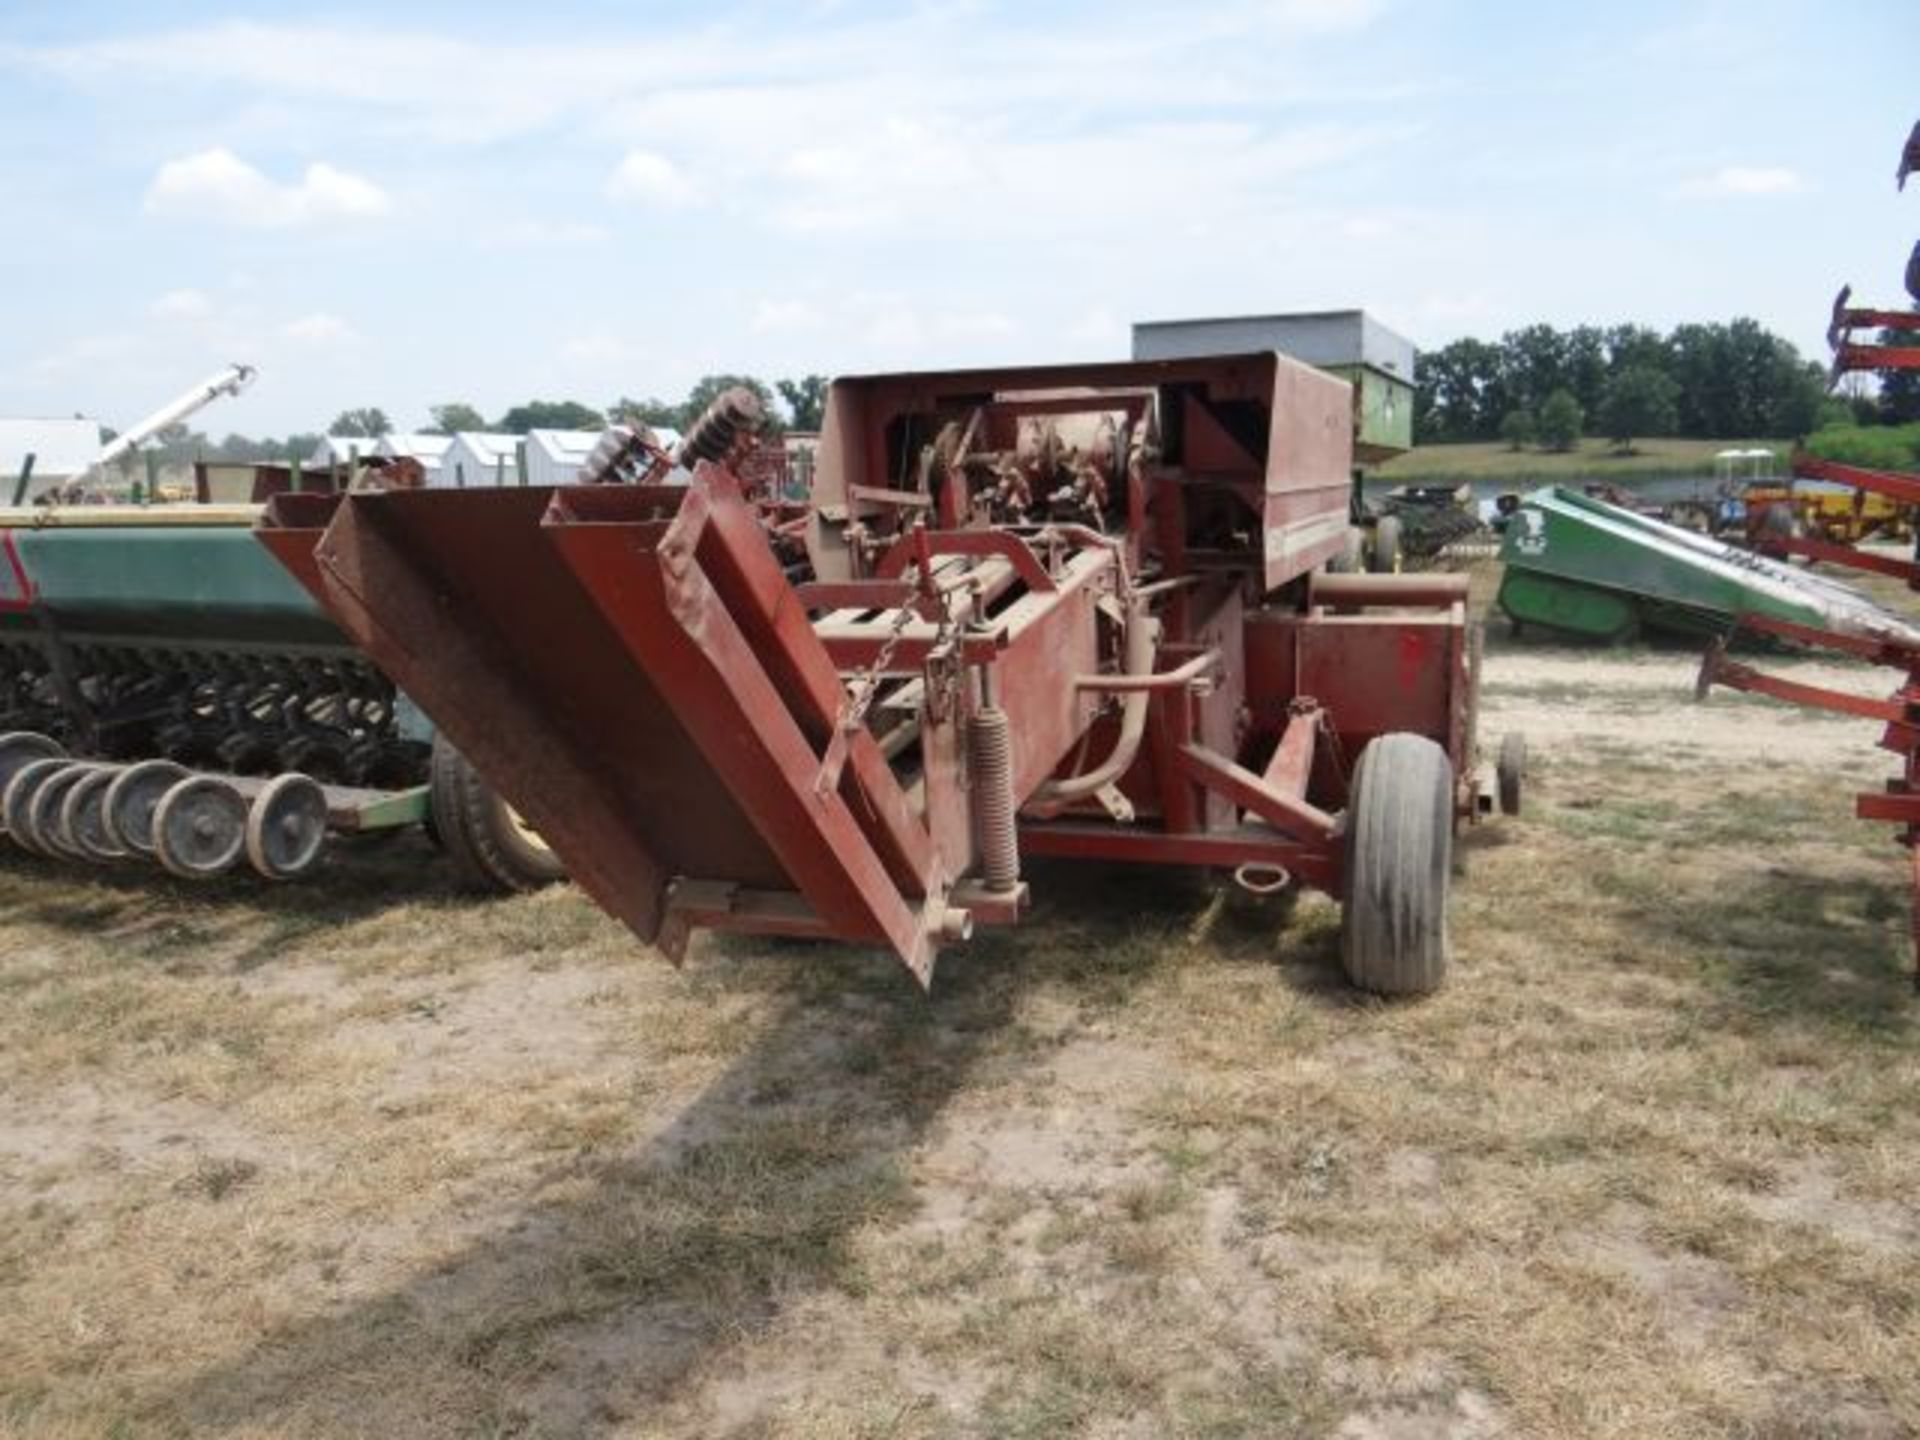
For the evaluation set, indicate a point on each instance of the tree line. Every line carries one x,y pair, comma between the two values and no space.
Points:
1548,386
787,405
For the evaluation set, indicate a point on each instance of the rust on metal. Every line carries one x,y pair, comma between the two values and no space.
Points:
1045,611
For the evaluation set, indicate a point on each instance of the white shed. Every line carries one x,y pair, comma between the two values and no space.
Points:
554,457
476,458
429,450
61,449
341,450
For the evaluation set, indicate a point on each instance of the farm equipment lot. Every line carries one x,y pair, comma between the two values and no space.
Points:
366,1157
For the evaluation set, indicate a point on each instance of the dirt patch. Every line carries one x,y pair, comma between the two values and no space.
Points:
1566,702
365,1159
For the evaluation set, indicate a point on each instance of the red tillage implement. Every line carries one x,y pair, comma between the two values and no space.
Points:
1052,611
1898,647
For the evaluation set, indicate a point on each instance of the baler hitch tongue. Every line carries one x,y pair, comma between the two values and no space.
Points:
632,670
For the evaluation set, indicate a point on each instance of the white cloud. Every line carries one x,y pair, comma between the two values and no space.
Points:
535,234
319,328
652,179
218,185
180,305
1749,180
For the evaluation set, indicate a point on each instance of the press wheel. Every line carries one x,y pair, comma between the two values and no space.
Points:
83,816
131,799
287,827
19,748
44,814
16,803
200,827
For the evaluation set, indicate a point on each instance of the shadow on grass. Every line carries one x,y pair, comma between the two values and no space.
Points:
155,915
1782,945
622,1275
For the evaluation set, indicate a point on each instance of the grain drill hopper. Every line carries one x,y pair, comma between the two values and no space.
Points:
1067,611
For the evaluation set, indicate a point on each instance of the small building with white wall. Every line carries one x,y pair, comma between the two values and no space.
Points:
427,450
476,458
554,457
341,450
61,450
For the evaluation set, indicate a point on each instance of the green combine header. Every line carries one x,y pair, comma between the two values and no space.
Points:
1600,572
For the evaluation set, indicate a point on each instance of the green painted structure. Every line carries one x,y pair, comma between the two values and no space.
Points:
195,578
1586,568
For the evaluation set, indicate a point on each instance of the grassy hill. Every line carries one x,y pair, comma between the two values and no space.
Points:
1592,459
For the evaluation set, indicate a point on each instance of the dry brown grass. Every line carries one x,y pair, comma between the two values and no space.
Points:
357,1158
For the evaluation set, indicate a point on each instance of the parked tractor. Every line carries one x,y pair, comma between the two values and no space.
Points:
1073,611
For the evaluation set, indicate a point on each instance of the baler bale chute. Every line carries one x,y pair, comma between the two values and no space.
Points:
1060,611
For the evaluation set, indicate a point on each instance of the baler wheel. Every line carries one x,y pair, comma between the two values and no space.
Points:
1511,771
287,827
1393,937
491,846
200,827
22,747
1388,550
49,802
132,798
83,817
1353,559
17,802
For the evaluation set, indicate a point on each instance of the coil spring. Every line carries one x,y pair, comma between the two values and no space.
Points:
990,742
720,426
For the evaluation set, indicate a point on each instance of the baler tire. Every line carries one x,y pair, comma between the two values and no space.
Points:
1393,935
1511,772
1388,549
491,848
1353,558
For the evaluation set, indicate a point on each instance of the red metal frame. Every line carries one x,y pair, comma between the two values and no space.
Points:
1115,559
1900,713
17,590
1894,484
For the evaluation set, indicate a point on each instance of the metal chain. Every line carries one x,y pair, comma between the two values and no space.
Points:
860,695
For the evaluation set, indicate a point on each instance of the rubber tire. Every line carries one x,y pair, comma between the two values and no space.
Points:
1511,772
1388,550
1352,559
1393,935
477,830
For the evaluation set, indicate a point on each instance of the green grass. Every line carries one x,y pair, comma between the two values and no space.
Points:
1591,459
1884,447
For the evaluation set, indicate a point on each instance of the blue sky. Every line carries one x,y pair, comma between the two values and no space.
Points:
406,204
